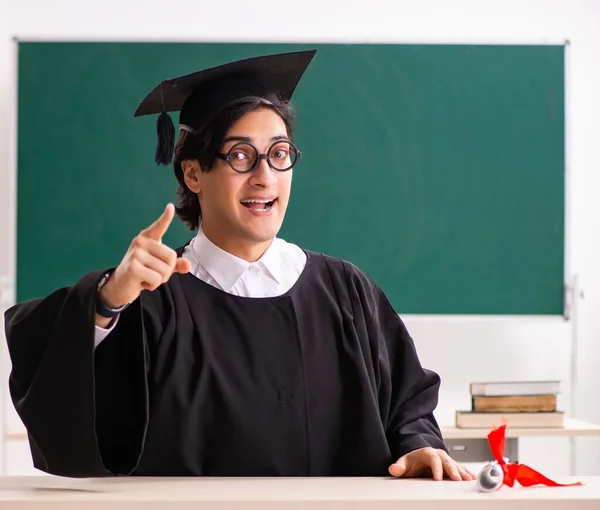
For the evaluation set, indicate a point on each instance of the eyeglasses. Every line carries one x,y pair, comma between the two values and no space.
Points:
244,157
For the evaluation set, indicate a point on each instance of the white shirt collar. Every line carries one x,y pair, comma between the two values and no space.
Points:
226,268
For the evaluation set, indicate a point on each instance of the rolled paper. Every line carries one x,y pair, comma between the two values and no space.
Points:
512,472
490,478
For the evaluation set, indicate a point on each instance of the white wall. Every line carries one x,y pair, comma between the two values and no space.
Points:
461,349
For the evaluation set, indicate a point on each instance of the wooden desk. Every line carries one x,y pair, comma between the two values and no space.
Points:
51,493
471,445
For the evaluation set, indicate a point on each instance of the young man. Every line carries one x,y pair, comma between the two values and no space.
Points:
238,354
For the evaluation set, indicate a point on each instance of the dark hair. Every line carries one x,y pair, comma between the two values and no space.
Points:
204,145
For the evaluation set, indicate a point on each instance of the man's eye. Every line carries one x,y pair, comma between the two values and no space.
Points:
280,154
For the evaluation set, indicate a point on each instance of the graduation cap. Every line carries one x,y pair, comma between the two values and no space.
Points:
200,95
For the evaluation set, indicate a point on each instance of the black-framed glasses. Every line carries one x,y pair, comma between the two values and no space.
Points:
244,157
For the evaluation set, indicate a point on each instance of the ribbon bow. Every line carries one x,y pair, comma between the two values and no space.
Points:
521,473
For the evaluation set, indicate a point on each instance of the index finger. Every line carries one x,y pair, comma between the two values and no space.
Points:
161,225
437,469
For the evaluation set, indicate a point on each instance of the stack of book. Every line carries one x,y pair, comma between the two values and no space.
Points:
523,404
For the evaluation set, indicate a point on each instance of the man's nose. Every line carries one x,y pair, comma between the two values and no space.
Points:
263,175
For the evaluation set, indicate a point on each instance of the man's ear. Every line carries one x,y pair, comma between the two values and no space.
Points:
192,175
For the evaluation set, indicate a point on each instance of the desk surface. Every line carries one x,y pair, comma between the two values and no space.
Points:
53,493
572,428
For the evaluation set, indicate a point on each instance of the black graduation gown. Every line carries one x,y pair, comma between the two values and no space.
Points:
321,381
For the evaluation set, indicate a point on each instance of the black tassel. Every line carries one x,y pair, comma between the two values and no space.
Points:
165,132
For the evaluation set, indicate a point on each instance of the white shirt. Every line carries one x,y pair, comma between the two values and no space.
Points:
272,275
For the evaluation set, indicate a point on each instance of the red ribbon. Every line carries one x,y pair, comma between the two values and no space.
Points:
523,474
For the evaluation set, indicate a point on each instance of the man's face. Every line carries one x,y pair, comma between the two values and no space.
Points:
233,204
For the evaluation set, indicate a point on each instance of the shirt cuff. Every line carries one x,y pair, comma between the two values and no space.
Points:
101,333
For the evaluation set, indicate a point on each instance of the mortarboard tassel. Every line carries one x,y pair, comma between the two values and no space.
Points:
165,132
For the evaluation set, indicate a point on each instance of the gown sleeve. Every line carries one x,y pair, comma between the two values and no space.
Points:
85,410
408,392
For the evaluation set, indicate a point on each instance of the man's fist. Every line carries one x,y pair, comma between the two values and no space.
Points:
147,264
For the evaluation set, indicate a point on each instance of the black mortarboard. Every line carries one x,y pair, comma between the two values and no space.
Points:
200,95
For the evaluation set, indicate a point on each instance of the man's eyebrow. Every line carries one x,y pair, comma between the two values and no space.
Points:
248,139
237,139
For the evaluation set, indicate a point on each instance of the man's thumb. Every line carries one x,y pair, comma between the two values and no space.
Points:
399,467
182,266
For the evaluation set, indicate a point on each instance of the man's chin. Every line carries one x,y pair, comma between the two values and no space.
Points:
261,233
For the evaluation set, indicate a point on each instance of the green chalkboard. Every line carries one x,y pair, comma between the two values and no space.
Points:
437,169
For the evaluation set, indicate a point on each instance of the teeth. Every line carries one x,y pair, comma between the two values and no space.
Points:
253,201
